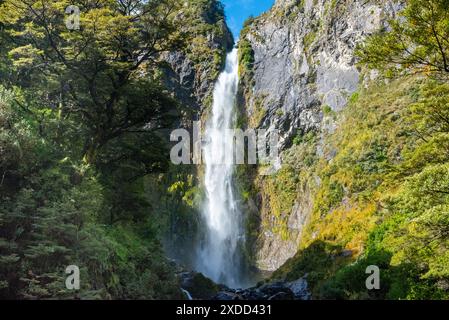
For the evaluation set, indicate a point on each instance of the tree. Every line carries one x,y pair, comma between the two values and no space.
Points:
94,94
103,76
418,41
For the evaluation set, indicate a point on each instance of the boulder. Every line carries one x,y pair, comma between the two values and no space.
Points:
198,285
227,296
300,289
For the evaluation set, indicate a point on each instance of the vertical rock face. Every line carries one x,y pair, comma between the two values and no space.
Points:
304,65
190,73
193,82
304,58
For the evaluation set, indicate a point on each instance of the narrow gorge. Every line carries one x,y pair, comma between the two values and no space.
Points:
91,116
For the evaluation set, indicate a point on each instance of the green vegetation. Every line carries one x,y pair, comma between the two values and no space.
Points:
309,39
85,178
246,55
246,59
202,287
327,111
55,211
380,191
382,197
281,191
416,42
205,57
84,172
257,115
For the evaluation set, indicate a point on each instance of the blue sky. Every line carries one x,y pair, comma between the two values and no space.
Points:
237,11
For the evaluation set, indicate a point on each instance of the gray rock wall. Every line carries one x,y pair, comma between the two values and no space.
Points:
191,81
304,63
304,58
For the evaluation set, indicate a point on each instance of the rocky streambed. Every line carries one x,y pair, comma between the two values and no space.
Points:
198,287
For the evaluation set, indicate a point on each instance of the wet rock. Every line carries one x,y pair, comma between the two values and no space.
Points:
282,296
227,296
271,289
198,285
300,289
254,295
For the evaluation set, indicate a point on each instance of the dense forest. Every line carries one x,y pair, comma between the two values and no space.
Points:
83,121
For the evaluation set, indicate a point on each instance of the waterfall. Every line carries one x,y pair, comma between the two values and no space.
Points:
218,253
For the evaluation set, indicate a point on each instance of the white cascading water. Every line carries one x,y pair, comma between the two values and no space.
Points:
218,253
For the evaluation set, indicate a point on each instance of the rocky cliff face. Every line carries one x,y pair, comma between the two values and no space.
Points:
190,73
302,70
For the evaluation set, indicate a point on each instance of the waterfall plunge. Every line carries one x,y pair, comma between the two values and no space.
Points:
218,254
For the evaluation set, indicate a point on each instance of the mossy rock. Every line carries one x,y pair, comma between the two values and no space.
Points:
199,286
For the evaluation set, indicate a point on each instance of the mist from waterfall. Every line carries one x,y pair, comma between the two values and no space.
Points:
218,256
